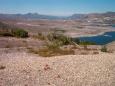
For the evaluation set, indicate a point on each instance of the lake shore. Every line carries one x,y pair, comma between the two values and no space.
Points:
83,34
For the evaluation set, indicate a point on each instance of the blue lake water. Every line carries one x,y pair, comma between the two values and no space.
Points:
101,39
113,25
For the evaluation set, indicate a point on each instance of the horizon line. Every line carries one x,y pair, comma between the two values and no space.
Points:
55,14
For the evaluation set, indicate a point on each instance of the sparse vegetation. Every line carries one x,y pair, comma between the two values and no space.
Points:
54,42
78,41
83,43
20,33
59,39
104,49
32,50
39,36
46,52
6,30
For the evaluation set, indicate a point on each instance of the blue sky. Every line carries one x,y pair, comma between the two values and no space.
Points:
56,7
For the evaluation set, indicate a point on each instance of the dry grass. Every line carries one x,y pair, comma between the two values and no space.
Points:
32,50
45,52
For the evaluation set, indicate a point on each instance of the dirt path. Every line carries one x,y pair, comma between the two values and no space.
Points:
22,69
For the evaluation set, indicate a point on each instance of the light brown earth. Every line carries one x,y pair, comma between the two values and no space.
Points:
71,28
19,68
12,42
111,46
23,69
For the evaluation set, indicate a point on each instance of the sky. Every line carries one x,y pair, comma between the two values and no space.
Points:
56,7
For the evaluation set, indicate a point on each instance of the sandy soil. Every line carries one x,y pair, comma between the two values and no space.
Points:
111,46
12,42
23,69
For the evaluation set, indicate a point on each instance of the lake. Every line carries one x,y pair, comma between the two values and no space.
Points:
113,25
101,39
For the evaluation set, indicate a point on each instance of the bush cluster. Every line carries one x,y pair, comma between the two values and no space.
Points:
6,30
20,33
59,39
54,41
104,49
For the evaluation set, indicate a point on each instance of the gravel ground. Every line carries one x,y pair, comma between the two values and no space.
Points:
23,69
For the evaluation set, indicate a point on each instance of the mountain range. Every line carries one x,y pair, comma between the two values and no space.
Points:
36,16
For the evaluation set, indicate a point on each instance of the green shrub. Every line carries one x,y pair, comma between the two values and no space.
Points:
20,33
54,41
7,30
53,45
59,38
76,40
104,49
87,43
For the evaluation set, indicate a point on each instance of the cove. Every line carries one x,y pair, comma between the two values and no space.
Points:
100,39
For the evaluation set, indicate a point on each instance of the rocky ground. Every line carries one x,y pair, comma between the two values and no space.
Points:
21,68
24,69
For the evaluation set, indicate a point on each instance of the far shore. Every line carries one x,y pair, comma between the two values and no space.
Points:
73,35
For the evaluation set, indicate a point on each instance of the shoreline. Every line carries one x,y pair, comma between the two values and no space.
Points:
91,35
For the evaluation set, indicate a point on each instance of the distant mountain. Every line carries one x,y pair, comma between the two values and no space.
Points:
28,16
78,16
92,15
36,16
110,14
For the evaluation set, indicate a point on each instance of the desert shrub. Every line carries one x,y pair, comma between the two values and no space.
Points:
59,38
53,45
20,33
46,52
104,49
6,34
76,40
7,30
32,50
87,43
39,36
51,50
54,41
